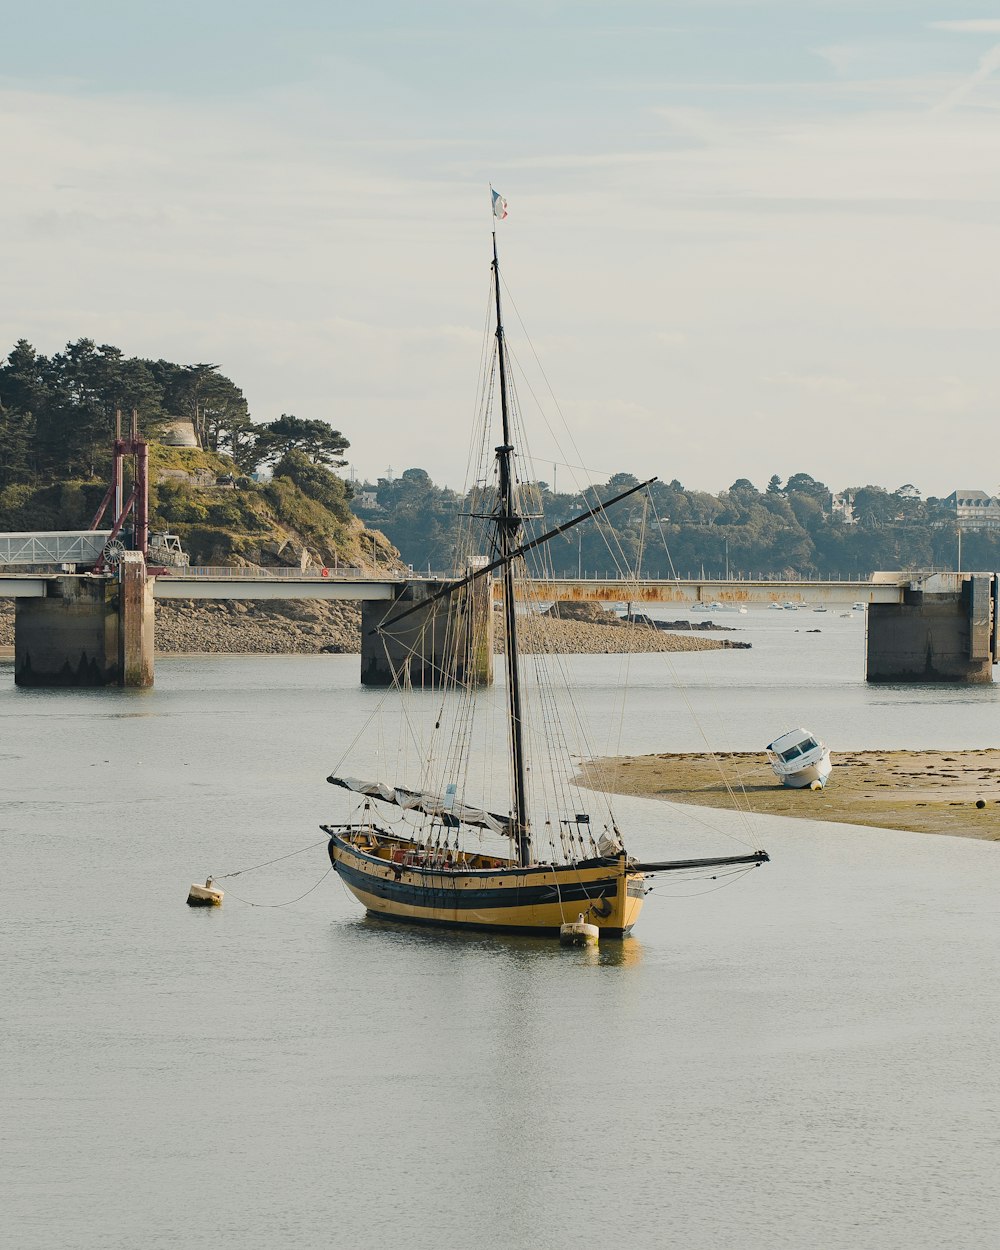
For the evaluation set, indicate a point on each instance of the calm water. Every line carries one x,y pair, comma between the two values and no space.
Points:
806,1058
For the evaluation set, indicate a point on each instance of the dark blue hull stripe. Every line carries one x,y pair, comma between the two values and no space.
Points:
454,898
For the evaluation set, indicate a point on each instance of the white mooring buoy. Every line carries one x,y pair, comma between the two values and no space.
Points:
206,895
578,933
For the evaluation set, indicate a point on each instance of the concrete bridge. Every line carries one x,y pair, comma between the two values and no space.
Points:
239,583
97,629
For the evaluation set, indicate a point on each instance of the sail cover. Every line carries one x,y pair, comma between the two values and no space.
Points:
448,809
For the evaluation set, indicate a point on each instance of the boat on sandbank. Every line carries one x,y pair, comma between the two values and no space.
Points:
799,760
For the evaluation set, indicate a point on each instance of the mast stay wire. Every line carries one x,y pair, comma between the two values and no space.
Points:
741,808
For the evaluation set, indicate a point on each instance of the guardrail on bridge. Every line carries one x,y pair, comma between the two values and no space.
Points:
225,572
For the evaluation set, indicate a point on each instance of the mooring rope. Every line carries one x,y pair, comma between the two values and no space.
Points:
288,902
225,876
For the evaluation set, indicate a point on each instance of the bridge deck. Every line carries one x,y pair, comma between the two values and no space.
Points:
182,586
706,591
220,583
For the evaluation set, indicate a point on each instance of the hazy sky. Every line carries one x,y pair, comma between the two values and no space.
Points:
745,237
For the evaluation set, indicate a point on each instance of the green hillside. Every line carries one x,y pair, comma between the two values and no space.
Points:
58,415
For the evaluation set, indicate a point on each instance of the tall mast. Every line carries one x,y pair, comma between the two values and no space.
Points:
508,527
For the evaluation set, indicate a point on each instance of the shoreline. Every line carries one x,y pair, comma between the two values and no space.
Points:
186,627
956,793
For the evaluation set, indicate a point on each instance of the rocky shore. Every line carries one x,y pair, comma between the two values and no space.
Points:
311,626
950,792
6,624
255,627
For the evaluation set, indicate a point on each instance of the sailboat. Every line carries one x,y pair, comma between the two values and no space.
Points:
451,862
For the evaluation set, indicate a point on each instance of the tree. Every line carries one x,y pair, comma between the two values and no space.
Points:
874,507
316,439
619,482
22,395
17,431
316,481
743,486
804,484
87,383
774,485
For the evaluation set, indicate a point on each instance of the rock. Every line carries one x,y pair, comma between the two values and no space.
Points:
314,627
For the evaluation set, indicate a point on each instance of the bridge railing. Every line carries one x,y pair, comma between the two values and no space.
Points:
54,547
225,572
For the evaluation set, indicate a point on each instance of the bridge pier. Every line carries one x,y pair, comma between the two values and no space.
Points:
450,639
943,631
87,631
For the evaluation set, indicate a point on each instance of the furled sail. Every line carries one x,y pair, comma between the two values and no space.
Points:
446,808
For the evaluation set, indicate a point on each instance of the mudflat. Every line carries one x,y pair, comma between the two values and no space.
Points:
950,792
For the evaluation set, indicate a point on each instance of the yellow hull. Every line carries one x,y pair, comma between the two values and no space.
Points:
518,900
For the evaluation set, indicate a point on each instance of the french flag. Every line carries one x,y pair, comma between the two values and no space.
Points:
499,205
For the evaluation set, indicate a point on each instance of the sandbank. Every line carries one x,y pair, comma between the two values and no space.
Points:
923,791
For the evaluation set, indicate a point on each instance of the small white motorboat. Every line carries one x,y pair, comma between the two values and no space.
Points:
799,759
858,607
775,607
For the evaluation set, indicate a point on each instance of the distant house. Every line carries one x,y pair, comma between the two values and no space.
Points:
366,499
843,507
974,509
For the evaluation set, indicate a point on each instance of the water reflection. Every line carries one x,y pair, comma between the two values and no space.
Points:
512,948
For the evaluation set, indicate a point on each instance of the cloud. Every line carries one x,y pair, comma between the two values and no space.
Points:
976,25
989,63
680,271
816,383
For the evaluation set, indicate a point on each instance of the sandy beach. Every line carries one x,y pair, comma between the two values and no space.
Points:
950,792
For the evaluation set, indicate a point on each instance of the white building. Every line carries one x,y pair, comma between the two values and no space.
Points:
974,509
843,507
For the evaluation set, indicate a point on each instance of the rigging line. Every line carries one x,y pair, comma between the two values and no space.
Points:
545,728
731,879
605,534
666,545
625,668
581,731
739,775
743,810
481,398
580,727
566,427
610,531
558,664
226,876
290,901
521,550
746,806
376,711
479,443
691,812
